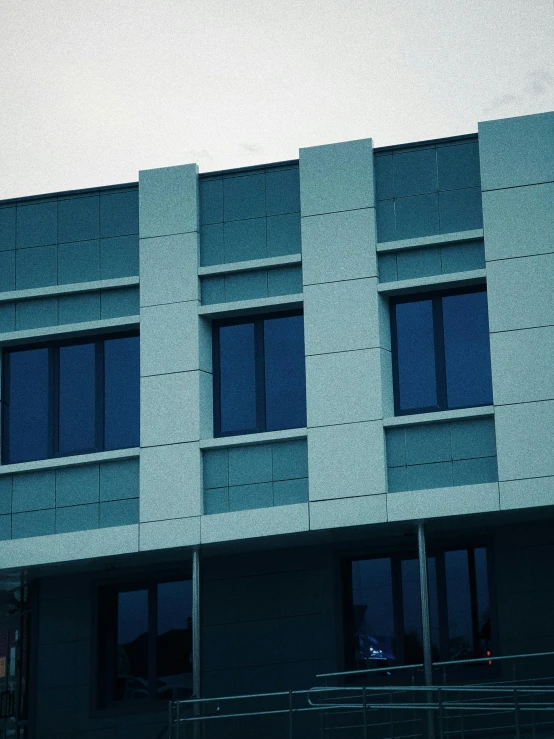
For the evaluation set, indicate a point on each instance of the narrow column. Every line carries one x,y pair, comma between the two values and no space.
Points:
425,624
424,591
196,623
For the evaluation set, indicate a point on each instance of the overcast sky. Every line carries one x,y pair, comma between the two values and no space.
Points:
91,91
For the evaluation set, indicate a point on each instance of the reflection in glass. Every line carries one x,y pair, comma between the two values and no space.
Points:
285,373
77,398
237,378
467,351
27,406
417,387
174,640
373,611
121,393
131,676
411,607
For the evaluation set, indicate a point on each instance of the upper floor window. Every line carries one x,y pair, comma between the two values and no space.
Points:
144,642
441,353
70,398
259,374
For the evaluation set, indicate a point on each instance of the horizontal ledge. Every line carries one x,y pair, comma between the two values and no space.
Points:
76,287
418,418
70,329
245,307
261,438
222,269
76,459
434,282
435,240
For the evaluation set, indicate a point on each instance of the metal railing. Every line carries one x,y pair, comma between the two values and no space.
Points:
502,708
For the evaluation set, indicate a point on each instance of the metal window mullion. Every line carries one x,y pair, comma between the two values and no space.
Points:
440,359
216,359
398,608
5,407
395,369
259,359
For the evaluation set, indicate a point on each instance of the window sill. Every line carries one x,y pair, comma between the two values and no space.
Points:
222,269
247,307
434,240
418,418
69,330
76,459
78,287
261,438
434,282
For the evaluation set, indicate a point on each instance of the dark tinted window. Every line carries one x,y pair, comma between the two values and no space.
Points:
26,425
237,378
131,659
285,373
441,352
415,339
174,639
77,398
71,398
466,349
121,393
260,379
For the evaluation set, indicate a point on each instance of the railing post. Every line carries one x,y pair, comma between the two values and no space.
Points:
516,706
290,714
439,696
364,698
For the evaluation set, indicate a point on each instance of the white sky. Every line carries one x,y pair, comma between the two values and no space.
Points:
91,91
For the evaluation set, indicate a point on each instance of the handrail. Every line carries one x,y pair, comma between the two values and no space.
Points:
449,663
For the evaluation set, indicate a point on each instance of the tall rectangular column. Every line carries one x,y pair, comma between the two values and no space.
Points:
517,173
347,345
175,358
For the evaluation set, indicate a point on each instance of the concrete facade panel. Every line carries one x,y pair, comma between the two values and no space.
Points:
525,439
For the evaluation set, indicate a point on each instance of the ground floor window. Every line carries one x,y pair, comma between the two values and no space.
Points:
145,642
383,619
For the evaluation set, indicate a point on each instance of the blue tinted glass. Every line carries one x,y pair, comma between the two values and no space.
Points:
285,373
77,425
121,393
417,387
237,378
27,406
131,659
174,640
467,351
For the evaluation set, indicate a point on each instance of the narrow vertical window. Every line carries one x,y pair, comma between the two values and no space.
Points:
417,387
131,656
237,378
285,384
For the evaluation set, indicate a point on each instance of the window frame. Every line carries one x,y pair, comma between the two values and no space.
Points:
396,559
259,368
53,420
439,346
105,639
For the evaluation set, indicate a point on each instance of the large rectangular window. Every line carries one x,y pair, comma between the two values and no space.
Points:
259,374
70,398
383,620
441,353
145,642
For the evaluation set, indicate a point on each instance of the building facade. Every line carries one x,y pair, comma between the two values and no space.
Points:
233,401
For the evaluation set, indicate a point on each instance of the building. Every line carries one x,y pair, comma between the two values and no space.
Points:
343,360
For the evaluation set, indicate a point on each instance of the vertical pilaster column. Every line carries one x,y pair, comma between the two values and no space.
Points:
517,174
175,348
346,332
